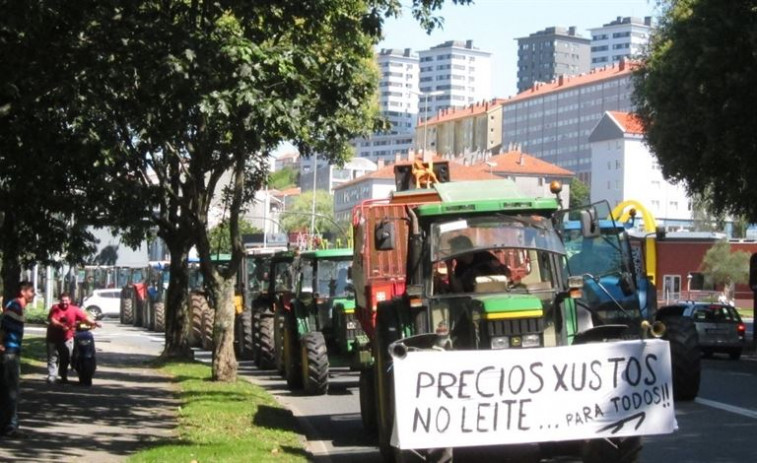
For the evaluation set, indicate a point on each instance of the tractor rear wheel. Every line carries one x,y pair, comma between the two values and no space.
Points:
686,357
207,328
292,368
244,327
619,450
160,317
265,355
315,363
127,311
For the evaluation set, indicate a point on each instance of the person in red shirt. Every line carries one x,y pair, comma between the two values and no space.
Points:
63,319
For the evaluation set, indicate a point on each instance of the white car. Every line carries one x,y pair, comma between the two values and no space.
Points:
103,303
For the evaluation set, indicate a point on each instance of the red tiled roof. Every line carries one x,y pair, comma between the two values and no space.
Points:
563,82
630,123
294,191
460,113
515,162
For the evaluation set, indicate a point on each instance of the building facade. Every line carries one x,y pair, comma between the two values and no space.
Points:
553,121
625,169
452,133
327,176
623,38
460,73
547,54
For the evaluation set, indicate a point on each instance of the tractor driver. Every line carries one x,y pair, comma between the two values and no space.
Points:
470,265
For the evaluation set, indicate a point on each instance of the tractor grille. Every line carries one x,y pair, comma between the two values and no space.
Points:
514,327
352,327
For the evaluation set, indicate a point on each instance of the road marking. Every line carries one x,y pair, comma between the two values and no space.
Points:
728,408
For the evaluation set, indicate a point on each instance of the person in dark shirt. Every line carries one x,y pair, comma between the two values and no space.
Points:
11,337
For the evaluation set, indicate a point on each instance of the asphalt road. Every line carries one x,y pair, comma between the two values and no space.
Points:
717,427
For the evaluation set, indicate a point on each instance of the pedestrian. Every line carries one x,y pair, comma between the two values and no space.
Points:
63,318
11,335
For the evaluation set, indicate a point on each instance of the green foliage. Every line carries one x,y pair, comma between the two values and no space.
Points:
219,235
726,267
298,217
283,178
230,422
695,96
579,193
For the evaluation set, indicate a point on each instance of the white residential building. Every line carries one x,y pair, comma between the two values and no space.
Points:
623,38
398,102
624,169
327,176
457,69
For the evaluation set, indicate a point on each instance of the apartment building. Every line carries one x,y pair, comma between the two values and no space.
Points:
553,121
398,103
328,176
552,52
625,169
623,38
454,132
457,73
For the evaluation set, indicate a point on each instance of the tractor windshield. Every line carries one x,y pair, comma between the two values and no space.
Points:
333,278
463,236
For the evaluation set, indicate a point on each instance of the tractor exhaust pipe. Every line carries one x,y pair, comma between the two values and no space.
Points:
654,330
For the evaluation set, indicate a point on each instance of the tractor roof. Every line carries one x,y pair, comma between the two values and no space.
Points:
327,253
483,196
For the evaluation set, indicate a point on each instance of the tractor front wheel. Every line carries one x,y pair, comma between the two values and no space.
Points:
315,363
619,450
686,356
265,354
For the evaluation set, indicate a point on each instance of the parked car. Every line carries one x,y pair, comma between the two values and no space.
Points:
719,326
103,303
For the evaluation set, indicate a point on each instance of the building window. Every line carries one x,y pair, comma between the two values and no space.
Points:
671,288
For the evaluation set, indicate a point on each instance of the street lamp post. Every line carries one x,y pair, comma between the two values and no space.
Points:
425,110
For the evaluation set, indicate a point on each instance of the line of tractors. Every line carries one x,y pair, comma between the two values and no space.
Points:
550,278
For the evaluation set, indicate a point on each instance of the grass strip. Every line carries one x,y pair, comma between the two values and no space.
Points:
225,422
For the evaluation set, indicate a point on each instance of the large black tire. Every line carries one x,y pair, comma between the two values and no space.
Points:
278,340
197,304
207,328
686,357
244,336
127,311
367,389
291,354
266,353
314,356
160,317
619,450
735,354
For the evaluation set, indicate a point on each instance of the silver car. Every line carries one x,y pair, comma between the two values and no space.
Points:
719,326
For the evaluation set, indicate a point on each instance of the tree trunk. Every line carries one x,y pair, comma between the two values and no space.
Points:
11,270
176,307
224,361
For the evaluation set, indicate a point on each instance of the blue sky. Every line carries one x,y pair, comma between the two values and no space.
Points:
493,25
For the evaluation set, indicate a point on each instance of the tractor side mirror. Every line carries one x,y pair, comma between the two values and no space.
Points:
384,236
660,233
589,224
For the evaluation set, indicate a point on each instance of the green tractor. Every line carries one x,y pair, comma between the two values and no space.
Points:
252,299
483,269
320,328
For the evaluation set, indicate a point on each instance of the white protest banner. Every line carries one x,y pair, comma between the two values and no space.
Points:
588,391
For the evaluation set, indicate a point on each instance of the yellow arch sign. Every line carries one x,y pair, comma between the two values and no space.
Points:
622,213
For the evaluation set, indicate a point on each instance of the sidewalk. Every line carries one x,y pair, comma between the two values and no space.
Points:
128,406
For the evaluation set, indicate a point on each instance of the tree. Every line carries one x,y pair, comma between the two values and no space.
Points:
283,178
52,178
219,235
172,96
579,193
298,216
725,267
695,96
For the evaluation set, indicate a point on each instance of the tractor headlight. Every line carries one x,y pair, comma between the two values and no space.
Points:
500,342
531,340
